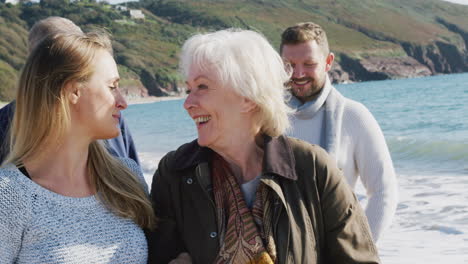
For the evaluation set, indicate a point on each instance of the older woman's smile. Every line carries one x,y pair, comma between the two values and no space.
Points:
200,120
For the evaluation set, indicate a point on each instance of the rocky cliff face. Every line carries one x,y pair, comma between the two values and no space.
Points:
377,68
438,57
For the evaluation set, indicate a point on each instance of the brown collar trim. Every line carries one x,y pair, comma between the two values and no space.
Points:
279,158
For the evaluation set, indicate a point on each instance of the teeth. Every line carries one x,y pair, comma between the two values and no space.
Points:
202,119
301,83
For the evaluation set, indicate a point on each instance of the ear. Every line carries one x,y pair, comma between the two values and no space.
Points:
73,90
248,105
329,60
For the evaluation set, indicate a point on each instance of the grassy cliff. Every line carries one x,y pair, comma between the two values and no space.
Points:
373,39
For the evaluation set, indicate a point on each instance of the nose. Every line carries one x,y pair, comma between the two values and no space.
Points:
298,71
190,101
120,101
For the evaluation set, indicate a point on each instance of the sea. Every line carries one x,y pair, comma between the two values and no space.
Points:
425,123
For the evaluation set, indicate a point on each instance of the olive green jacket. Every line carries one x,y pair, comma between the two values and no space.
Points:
317,218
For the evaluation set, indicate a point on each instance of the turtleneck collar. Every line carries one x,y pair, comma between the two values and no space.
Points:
308,109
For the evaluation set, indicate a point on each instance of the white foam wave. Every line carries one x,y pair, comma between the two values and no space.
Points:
431,221
149,163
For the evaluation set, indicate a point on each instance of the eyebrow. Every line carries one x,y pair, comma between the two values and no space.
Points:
199,77
114,79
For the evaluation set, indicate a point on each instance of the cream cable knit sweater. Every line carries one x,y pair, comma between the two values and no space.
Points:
40,226
363,153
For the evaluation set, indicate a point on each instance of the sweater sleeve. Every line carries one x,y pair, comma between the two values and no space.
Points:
14,211
135,168
128,141
374,165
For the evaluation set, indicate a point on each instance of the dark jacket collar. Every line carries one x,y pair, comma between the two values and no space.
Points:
279,158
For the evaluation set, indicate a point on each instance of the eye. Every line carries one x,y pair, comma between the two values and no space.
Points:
187,91
202,86
114,86
310,64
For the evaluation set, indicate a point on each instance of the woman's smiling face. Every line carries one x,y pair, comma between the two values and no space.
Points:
215,108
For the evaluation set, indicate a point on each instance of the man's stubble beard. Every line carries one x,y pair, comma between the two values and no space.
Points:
314,89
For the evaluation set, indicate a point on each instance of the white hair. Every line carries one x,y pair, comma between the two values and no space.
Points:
246,62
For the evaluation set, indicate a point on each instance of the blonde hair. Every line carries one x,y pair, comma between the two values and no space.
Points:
246,62
50,26
43,115
304,32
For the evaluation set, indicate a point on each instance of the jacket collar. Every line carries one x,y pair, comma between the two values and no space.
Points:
278,157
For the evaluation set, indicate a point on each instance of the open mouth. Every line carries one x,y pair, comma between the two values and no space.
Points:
301,82
201,120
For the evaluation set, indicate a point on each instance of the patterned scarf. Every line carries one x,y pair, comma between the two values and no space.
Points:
245,236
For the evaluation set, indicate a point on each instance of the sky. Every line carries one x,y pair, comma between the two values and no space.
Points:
463,2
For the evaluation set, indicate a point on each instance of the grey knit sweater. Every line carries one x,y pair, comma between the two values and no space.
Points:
40,226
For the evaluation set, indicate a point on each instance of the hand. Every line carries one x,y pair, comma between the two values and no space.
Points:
183,258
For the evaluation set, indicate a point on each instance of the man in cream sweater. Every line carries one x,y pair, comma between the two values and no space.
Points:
343,127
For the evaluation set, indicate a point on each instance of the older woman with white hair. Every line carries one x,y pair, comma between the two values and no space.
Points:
242,192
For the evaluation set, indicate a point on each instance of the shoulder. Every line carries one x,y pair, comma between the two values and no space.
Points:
9,177
312,159
358,120
313,165
182,161
187,156
305,152
131,164
14,203
356,109
135,169
6,116
7,111
357,113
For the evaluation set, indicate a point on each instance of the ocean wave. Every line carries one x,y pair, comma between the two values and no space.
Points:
437,154
404,150
405,147
149,161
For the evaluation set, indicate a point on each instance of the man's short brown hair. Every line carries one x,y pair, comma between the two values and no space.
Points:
304,32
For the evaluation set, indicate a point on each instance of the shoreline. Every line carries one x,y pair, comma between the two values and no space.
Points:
151,99
136,100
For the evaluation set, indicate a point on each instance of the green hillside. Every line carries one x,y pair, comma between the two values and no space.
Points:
373,39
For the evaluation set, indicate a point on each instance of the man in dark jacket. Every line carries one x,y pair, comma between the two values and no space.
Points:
121,146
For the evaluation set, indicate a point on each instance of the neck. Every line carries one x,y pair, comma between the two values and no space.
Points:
245,157
63,169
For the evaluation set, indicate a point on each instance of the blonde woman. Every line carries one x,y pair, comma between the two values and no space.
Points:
63,197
